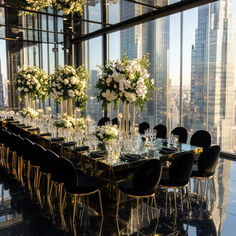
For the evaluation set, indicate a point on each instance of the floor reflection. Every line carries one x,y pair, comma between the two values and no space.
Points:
21,213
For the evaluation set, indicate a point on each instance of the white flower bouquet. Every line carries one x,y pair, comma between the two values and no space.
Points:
126,80
33,81
64,121
80,123
69,6
68,82
107,133
29,113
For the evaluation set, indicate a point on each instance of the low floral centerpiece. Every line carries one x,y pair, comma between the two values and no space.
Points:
70,83
107,133
80,123
29,113
32,81
64,121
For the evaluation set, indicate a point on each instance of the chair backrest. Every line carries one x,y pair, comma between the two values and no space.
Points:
208,160
143,126
29,147
53,162
147,175
39,154
161,131
115,121
201,138
181,169
103,121
67,169
182,133
19,145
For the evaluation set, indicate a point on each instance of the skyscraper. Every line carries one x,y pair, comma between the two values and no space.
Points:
1,88
152,38
212,72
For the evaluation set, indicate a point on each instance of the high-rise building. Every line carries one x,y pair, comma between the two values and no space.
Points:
212,75
152,38
1,88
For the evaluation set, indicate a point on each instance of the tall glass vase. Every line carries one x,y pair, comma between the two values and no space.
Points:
70,107
133,118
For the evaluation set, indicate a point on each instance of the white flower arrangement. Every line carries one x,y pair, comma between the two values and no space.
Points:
68,82
126,80
80,123
67,6
29,113
107,132
64,121
33,81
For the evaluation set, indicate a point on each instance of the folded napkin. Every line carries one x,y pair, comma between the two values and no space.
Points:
21,125
82,148
166,150
68,144
130,157
14,122
59,139
34,129
98,154
9,119
26,126
45,134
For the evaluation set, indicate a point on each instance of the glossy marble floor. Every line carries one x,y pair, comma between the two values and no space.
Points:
21,215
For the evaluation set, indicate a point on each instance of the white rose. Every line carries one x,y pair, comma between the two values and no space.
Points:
131,76
108,81
19,89
66,81
26,89
30,86
71,93
19,81
73,80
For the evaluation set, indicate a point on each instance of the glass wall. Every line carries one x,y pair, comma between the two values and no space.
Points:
192,64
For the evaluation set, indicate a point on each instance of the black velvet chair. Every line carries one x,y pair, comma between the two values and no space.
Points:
77,184
143,127
161,131
20,153
103,121
201,138
143,184
206,166
115,121
182,134
177,176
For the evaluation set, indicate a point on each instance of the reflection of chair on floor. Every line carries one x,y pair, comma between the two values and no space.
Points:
206,165
177,177
143,184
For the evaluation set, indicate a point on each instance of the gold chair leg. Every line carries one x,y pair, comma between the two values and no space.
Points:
205,188
155,204
175,201
7,164
74,208
100,202
118,203
137,211
2,155
148,217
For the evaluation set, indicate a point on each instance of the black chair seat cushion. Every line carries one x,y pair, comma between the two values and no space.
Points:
196,173
165,181
86,184
128,188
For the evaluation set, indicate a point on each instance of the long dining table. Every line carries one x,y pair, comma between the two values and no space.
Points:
111,171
